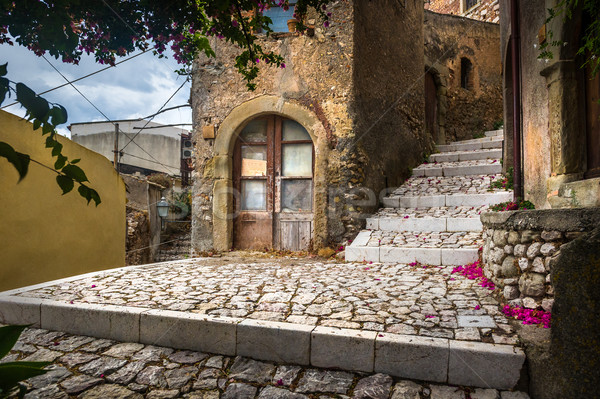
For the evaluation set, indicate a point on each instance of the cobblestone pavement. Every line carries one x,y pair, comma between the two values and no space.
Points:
89,368
434,212
412,239
392,298
475,184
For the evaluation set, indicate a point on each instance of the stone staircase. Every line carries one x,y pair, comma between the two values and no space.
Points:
179,247
433,218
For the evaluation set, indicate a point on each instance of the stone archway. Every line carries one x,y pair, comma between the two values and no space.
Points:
223,193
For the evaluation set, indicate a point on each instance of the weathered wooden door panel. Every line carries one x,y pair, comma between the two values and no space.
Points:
273,173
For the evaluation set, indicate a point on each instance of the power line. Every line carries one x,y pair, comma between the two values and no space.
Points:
148,160
83,77
159,110
103,114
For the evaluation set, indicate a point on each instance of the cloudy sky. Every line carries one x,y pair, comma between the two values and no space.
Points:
133,89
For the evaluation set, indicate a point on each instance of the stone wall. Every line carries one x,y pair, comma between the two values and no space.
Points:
520,247
333,93
138,238
464,112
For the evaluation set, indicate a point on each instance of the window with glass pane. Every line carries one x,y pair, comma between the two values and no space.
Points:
296,160
255,132
296,195
279,17
254,195
254,160
293,131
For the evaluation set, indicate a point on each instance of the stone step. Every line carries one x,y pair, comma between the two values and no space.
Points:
480,140
495,133
404,356
424,224
461,168
470,146
427,201
466,155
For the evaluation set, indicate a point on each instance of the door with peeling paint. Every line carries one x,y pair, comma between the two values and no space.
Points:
273,177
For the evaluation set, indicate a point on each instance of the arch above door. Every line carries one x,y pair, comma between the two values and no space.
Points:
227,134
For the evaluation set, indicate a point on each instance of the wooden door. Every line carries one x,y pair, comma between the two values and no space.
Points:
592,91
431,107
273,174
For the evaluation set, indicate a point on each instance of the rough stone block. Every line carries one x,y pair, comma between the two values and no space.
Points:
548,249
524,264
410,356
190,331
508,249
534,250
551,235
274,341
532,284
528,236
342,348
520,250
120,323
513,237
20,310
484,365
510,292
537,265
500,237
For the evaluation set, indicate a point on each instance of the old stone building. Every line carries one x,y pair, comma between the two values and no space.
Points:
299,161
560,132
482,10
463,83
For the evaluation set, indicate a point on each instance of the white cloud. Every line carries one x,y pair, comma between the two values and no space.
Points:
136,88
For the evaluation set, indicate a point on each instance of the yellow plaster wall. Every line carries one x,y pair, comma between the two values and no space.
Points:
45,235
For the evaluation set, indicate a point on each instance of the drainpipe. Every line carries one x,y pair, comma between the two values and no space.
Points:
516,83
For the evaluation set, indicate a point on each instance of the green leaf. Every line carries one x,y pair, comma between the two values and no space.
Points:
37,107
50,141
19,160
95,196
75,172
75,161
59,115
36,124
57,148
66,183
13,372
47,128
3,69
60,162
4,89
8,338
84,191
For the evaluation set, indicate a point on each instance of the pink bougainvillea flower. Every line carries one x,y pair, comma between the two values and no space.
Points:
280,382
406,217
380,335
429,316
377,279
477,307
367,268
93,285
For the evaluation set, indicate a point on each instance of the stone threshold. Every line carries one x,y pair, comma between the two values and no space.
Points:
406,356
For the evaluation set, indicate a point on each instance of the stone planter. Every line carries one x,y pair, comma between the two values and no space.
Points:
291,23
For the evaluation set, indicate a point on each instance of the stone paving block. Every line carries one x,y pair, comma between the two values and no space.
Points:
409,356
484,365
342,348
458,256
423,201
20,310
492,144
189,331
412,224
444,157
391,202
483,154
274,341
477,199
460,147
476,321
360,254
464,224
362,238
428,256
495,133
120,323
472,170
372,223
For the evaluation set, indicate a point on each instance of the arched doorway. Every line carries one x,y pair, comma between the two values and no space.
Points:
273,169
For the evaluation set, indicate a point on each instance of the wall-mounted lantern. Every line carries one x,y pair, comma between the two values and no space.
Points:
163,211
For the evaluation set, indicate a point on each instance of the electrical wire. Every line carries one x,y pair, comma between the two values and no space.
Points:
81,78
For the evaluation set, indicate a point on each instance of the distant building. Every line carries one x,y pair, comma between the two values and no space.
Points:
482,10
155,148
